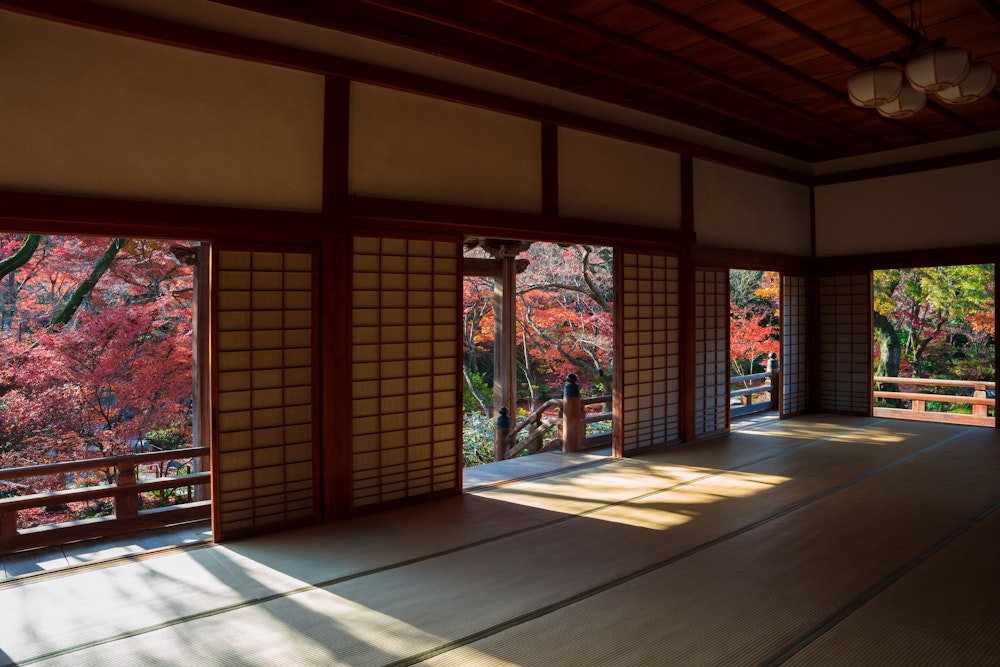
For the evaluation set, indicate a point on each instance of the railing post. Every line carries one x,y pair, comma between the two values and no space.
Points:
775,380
572,415
980,410
501,433
8,524
126,497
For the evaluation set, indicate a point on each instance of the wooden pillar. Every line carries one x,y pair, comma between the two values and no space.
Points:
505,342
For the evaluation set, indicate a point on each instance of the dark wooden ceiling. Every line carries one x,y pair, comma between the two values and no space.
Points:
772,73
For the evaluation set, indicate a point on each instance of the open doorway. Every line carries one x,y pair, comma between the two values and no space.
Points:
754,341
97,399
559,340
934,344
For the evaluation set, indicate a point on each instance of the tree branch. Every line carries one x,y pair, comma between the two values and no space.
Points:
21,257
87,286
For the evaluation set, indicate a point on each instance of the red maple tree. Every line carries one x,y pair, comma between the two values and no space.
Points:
95,336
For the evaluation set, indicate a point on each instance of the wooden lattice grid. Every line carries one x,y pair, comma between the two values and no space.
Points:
405,347
845,343
794,344
711,381
650,300
265,385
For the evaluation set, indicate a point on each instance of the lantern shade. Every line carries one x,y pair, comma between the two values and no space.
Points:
874,86
939,69
980,81
909,102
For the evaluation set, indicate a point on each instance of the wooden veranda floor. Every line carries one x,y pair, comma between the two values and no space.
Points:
813,541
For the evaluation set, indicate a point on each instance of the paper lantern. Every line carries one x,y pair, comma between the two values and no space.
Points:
980,82
909,102
874,86
939,69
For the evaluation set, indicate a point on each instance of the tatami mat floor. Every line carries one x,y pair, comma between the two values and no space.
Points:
812,541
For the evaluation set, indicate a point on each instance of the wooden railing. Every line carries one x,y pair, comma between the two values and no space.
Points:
125,493
755,384
981,404
569,414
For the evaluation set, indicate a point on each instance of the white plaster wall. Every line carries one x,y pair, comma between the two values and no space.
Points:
89,113
412,147
217,16
745,211
602,178
945,208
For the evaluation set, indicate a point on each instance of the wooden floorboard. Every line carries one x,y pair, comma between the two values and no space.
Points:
812,541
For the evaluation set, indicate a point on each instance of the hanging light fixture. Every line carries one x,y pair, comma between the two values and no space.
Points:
979,82
909,102
875,86
938,69
929,67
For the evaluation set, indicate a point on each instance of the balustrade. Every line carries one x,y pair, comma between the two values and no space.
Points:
980,401
125,492
569,414
770,384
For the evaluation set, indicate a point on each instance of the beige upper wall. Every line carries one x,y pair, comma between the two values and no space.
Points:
411,147
741,210
945,208
213,15
601,178
89,113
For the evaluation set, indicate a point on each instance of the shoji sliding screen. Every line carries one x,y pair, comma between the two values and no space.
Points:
405,368
845,350
794,345
649,324
266,461
711,365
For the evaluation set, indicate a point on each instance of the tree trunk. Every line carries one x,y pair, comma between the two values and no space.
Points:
8,296
87,286
890,352
486,406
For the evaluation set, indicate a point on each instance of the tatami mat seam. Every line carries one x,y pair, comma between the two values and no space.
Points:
618,581
583,595
445,552
554,606
805,639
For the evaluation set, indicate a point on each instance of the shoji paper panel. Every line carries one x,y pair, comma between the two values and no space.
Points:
650,323
405,368
711,386
265,386
845,354
794,351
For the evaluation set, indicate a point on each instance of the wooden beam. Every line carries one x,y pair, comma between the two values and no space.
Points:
336,138
485,268
549,53
687,194
929,164
569,21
